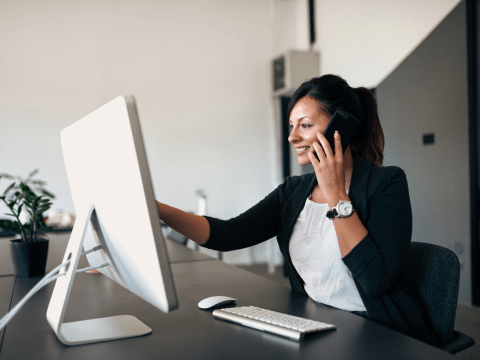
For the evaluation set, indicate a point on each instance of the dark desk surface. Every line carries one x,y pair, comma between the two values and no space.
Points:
7,284
191,333
58,244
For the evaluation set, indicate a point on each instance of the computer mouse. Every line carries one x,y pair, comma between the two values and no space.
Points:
215,301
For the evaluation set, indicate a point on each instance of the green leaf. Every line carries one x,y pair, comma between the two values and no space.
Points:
38,182
18,226
7,225
49,194
32,174
25,187
8,189
7,176
44,208
29,199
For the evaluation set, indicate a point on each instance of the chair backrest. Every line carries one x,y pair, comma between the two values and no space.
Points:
433,273
177,237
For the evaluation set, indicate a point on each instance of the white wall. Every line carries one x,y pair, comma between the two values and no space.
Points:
200,73
364,41
413,101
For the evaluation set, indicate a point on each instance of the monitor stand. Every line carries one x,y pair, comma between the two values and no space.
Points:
85,331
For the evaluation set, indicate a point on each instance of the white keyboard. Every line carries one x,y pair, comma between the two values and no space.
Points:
271,321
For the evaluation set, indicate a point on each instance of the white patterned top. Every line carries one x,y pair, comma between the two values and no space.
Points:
316,256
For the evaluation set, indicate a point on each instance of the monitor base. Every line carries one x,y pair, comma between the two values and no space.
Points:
103,329
85,331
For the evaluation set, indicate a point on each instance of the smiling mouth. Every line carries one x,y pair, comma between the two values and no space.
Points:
303,149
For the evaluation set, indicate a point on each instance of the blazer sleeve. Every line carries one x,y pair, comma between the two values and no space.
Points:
378,259
257,224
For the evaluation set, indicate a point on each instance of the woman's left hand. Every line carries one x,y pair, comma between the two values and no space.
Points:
329,170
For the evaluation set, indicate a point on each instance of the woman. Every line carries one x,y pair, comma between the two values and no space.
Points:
354,262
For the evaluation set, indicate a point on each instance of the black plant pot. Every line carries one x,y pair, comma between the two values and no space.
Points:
29,258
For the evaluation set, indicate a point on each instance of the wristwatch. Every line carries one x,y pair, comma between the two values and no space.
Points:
343,210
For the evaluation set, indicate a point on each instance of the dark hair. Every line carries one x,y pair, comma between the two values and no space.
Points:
333,92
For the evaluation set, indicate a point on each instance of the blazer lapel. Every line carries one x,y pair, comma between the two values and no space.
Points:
296,202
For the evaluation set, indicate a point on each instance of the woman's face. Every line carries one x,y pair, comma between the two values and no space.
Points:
306,119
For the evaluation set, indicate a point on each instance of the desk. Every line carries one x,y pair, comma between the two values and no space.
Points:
7,284
58,244
191,333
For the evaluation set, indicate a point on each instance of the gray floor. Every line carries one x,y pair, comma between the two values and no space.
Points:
467,319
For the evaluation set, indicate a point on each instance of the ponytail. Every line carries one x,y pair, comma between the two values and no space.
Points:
371,142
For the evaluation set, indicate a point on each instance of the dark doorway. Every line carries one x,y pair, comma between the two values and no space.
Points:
284,100
473,36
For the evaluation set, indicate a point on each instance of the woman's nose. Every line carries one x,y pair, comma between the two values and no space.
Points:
293,136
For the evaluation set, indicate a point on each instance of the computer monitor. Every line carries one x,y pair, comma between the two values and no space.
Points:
114,202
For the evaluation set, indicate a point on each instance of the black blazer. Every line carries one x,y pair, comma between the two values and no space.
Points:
381,199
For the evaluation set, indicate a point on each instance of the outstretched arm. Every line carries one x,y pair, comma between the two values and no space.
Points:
194,227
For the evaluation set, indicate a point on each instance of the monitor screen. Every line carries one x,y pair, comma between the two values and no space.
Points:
107,167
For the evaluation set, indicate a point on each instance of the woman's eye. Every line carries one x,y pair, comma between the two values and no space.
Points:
305,126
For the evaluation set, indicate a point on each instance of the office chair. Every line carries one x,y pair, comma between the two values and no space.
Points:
433,273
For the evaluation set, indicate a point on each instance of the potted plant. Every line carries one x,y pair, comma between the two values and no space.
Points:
30,249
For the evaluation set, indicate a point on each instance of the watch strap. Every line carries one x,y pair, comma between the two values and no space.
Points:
332,213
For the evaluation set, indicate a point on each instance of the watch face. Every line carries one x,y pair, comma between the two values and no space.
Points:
345,208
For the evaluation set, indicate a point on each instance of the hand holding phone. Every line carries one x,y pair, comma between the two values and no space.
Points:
345,124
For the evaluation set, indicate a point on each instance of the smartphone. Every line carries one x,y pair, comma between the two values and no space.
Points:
346,125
